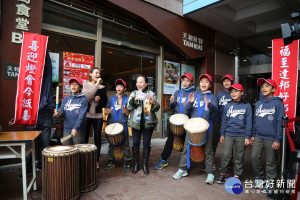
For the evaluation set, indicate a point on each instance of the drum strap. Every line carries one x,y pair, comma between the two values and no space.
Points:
201,109
186,100
116,117
116,145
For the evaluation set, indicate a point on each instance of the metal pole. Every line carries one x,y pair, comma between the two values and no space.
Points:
236,68
283,156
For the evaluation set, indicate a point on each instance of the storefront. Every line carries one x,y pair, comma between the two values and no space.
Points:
123,45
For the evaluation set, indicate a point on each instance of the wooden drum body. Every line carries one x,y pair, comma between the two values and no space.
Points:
196,129
176,125
60,172
115,135
87,167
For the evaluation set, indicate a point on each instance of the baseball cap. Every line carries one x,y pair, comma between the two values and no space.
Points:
261,81
227,76
78,80
121,81
236,86
189,76
206,76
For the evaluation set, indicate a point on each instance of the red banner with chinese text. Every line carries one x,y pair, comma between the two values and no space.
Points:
32,61
75,65
285,74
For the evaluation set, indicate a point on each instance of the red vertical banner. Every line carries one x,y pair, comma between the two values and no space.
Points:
32,61
285,74
75,65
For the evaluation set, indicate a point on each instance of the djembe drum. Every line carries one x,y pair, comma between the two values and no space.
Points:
176,125
115,135
87,167
196,129
60,172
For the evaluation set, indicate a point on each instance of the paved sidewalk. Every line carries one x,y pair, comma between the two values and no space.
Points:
115,184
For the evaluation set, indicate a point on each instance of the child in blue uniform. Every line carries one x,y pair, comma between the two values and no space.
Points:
223,98
267,132
73,109
206,100
116,108
178,102
235,131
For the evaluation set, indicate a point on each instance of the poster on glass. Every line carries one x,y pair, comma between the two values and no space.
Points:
171,77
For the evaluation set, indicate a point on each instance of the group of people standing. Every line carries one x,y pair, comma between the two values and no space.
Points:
231,122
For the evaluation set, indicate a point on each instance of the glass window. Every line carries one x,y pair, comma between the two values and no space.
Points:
61,16
126,64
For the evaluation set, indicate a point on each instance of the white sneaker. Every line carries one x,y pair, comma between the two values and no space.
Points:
180,173
210,179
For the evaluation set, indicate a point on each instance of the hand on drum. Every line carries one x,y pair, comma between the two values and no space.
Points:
74,132
172,99
247,142
222,139
97,99
191,98
152,101
57,113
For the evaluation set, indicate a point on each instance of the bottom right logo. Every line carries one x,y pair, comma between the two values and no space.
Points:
233,186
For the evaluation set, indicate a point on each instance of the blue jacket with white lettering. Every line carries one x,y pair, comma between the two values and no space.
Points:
237,120
208,112
176,104
110,105
223,98
73,109
267,121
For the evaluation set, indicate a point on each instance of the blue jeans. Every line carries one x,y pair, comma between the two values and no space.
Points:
43,124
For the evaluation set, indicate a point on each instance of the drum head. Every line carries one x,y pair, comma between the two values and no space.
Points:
86,147
114,129
60,149
178,119
196,125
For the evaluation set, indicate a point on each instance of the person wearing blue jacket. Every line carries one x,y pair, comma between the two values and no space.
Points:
73,109
116,108
267,133
178,102
235,132
223,98
206,100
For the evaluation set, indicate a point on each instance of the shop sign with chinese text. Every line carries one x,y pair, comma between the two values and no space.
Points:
285,74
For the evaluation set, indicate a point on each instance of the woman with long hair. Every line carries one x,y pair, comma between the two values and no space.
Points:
95,92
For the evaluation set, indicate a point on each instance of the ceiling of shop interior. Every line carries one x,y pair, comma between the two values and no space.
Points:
253,21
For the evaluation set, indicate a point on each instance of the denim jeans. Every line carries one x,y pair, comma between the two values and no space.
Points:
43,124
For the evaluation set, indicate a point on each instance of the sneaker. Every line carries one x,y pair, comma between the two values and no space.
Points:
180,173
126,167
161,164
222,179
258,182
210,179
28,174
110,164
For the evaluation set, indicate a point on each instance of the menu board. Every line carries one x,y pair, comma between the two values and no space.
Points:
75,65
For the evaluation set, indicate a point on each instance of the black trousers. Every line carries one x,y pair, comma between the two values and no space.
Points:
97,125
136,137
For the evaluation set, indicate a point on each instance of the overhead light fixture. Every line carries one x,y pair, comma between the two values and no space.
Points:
109,52
269,47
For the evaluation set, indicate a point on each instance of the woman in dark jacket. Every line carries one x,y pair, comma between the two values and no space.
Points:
97,97
142,121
